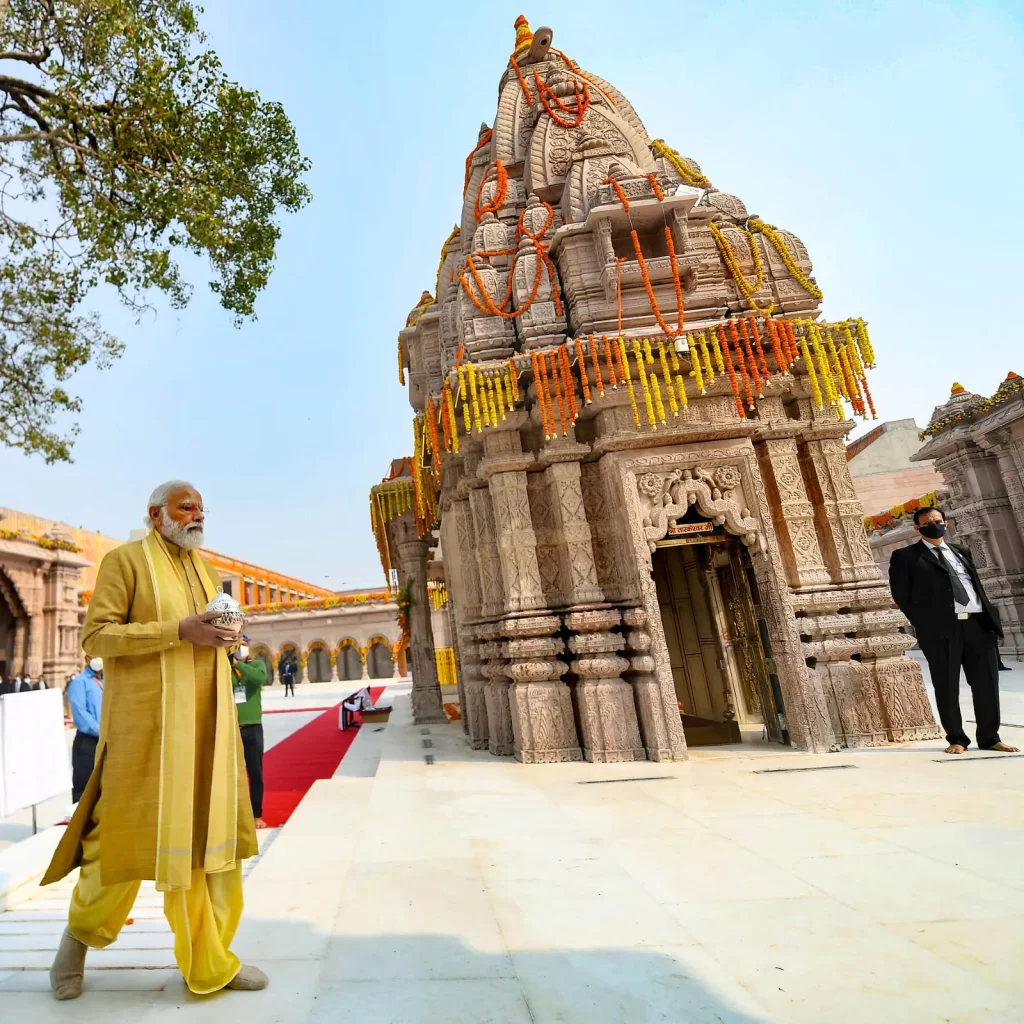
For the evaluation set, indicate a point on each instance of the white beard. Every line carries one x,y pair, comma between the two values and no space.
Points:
185,537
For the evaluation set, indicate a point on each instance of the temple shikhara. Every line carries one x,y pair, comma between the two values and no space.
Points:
629,466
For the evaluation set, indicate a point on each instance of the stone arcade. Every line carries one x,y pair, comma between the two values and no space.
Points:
635,562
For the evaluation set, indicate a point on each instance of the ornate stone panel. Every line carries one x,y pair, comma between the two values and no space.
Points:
517,544
492,588
574,548
792,512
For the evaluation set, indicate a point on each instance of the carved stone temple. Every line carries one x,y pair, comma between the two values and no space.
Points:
629,464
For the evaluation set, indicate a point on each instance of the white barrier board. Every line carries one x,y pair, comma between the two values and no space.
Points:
34,761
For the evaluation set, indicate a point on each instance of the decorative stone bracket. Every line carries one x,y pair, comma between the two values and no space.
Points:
666,497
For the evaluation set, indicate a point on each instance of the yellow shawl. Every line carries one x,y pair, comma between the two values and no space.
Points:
178,739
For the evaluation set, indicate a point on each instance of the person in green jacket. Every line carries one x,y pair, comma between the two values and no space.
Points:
249,676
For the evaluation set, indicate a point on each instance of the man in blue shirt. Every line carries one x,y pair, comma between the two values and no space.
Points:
85,698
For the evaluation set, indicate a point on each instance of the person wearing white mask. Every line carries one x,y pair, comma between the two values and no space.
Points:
85,698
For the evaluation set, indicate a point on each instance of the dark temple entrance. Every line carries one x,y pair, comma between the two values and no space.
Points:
717,644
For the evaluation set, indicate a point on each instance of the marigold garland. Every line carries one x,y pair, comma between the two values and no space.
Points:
659,405
722,346
716,340
453,423
559,398
752,367
471,374
658,194
581,365
663,359
782,361
501,191
645,385
680,313
738,360
574,115
759,348
514,377
779,245
624,374
595,360
864,342
612,379
618,191
695,368
689,176
812,377
747,290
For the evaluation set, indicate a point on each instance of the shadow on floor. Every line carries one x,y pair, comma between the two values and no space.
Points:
410,979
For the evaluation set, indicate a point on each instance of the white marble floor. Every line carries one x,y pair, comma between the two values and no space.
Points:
886,887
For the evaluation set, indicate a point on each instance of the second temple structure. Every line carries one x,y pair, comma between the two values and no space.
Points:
629,463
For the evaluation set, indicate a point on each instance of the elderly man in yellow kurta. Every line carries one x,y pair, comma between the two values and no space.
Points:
167,798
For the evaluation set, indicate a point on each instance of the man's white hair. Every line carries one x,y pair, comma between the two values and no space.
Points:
161,494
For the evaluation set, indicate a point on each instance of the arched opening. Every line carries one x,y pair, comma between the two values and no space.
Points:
263,654
12,620
318,663
350,665
289,656
378,660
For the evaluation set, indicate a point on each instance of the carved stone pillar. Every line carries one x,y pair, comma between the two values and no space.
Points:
839,515
500,736
426,693
792,512
660,725
21,628
905,704
604,701
504,466
572,531
541,704
492,588
474,712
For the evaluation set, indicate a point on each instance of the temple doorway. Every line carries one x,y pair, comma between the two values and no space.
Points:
717,644
318,665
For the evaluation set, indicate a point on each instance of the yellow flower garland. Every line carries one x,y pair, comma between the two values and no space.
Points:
695,368
747,290
688,175
719,364
659,405
641,369
471,374
866,349
663,358
624,360
812,377
779,244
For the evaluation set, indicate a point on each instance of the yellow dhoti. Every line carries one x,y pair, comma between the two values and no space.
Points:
203,917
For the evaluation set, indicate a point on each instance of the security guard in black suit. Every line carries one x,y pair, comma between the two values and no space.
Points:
937,587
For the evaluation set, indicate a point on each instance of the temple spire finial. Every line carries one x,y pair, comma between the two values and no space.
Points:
523,34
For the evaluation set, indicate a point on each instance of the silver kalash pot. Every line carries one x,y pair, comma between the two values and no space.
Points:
230,611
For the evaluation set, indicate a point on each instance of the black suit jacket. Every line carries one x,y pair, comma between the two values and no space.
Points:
922,589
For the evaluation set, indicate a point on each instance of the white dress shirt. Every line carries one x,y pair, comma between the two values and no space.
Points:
973,606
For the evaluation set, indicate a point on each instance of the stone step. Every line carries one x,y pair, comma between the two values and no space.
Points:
98,960
35,926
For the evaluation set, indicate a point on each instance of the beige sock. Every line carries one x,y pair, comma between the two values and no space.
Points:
249,979
68,967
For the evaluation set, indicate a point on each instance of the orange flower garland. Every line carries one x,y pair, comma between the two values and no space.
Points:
573,115
514,378
658,194
558,392
581,365
669,332
722,346
752,368
538,384
612,380
758,347
739,362
598,382
499,195
618,191
781,360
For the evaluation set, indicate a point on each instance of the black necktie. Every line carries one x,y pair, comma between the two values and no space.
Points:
960,595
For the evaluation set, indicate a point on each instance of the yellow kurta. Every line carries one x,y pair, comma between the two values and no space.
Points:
122,628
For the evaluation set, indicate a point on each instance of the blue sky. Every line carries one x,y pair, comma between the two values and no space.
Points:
888,136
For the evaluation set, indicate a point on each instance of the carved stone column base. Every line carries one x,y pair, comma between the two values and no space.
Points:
853,704
425,704
500,738
604,701
542,722
905,704
541,704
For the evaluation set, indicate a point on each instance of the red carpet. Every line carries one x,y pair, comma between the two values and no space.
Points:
310,753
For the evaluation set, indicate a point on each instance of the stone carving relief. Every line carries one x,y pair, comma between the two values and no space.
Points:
667,497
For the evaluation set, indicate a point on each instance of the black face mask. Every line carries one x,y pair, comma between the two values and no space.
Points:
933,531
